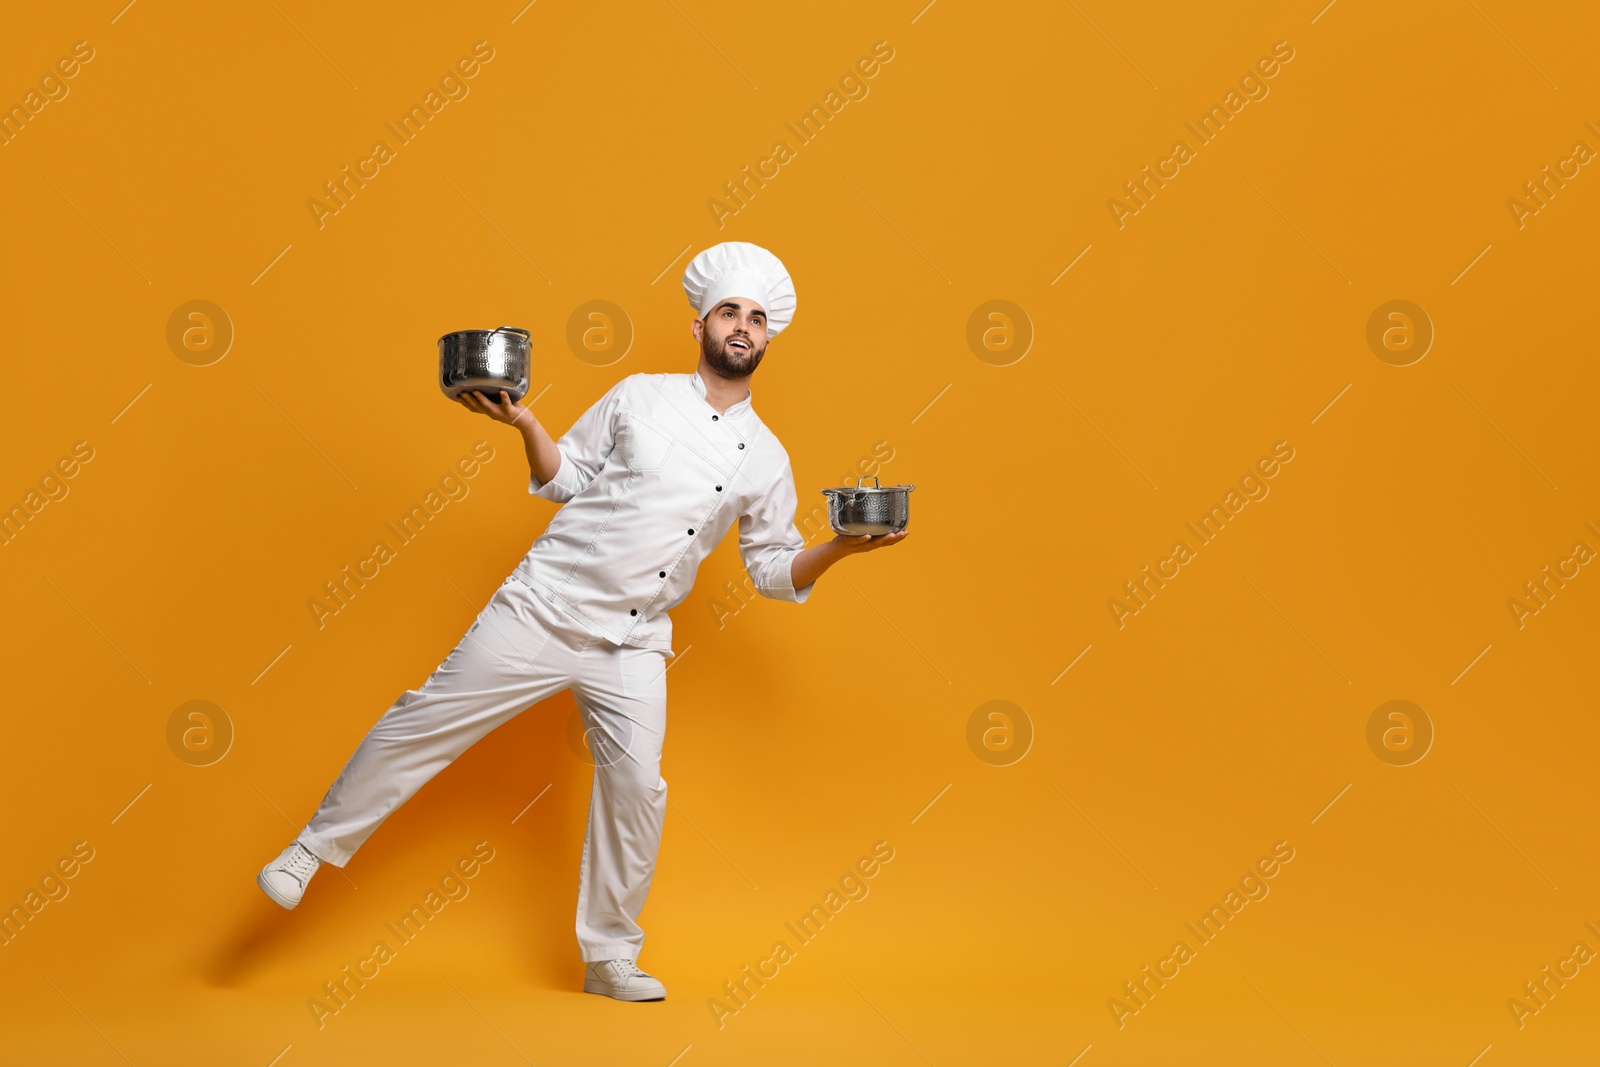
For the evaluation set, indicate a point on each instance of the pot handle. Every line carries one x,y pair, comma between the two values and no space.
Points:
874,478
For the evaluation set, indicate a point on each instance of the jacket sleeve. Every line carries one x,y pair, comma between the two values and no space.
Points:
769,541
583,449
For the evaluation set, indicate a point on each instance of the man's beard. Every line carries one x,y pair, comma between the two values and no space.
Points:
725,361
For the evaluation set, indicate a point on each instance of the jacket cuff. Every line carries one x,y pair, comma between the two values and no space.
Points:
558,489
781,586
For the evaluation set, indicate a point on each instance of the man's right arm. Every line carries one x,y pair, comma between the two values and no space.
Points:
544,458
559,470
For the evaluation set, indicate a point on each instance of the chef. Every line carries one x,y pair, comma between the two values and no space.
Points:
650,478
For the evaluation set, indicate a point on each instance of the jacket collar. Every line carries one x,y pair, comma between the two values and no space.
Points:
734,410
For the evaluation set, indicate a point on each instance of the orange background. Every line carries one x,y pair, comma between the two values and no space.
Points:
1226,716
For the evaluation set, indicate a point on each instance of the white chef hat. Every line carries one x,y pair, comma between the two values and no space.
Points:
739,268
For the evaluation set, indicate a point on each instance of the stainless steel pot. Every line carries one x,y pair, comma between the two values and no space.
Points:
485,361
874,509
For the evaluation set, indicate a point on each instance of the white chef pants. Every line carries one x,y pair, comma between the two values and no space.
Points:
518,652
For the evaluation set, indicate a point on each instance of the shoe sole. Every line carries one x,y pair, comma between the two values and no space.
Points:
277,898
592,986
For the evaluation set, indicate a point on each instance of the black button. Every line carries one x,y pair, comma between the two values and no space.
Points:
719,488
713,418
691,532
663,574
633,611
741,446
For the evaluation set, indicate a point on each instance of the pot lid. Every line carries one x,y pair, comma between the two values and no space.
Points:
858,488
488,333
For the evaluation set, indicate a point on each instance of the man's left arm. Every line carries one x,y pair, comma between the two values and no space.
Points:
775,553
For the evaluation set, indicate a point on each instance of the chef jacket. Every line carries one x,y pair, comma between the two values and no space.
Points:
652,477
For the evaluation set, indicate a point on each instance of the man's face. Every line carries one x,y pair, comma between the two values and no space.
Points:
733,337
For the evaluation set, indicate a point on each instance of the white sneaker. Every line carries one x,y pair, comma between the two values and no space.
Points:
285,878
621,980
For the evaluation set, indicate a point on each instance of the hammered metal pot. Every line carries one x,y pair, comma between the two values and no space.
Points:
485,361
874,509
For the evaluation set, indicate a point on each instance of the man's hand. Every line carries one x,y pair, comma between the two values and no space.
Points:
850,544
504,410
